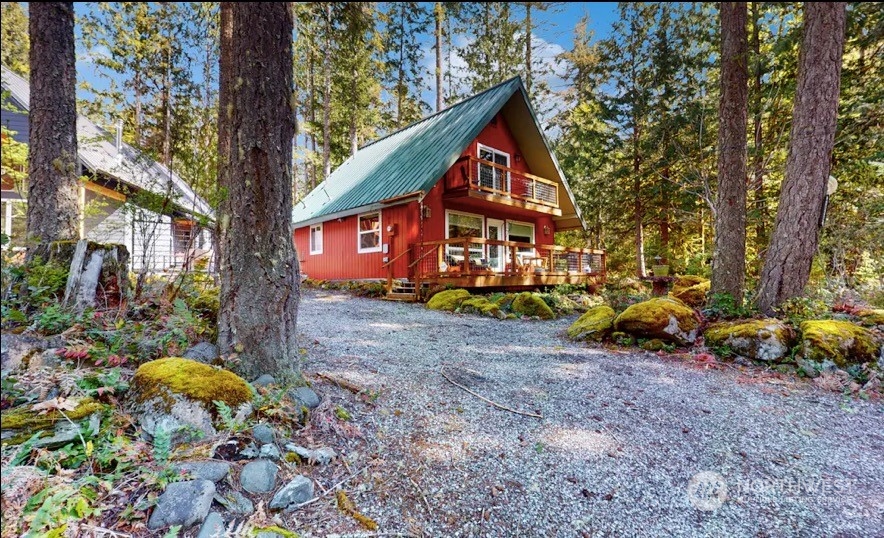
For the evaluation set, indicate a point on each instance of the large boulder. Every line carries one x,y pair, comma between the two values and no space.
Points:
183,503
532,305
841,342
665,318
764,340
691,290
447,300
172,394
81,417
480,304
871,318
595,324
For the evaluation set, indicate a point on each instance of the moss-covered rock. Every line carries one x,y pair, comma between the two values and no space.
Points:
595,324
763,340
841,342
19,424
479,305
175,393
665,318
448,300
693,295
654,344
687,281
530,304
506,301
871,318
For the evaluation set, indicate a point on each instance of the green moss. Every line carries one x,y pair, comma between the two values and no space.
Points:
530,304
871,317
30,422
269,531
763,339
663,317
506,301
479,305
693,295
595,324
841,342
192,379
448,300
655,344
687,281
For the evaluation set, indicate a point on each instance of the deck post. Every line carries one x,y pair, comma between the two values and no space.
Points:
580,263
466,256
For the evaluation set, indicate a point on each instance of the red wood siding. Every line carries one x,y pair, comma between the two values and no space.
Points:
340,259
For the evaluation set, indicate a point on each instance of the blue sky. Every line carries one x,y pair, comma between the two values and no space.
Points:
554,30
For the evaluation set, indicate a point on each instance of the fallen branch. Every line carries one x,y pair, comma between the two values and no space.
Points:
424,497
331,489
486,400
343,383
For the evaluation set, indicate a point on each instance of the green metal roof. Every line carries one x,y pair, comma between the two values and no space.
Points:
407,161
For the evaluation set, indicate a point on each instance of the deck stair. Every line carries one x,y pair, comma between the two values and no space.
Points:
402,291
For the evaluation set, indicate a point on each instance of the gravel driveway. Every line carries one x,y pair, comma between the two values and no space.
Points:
621,436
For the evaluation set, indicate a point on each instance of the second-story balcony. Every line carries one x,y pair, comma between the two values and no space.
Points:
478,178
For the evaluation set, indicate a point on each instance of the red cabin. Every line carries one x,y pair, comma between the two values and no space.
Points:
471,196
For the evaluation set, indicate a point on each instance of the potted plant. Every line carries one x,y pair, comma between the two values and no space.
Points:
659,268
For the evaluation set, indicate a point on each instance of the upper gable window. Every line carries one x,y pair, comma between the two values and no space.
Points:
490,176
369,232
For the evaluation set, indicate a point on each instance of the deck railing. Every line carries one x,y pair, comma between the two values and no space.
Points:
488,177
506,258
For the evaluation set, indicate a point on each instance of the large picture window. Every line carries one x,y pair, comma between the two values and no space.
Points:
521,232
316,239
463,225
369,232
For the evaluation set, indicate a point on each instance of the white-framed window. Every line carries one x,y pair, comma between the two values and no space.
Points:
368,229
521,232
14,214
458,224
316,239
489,176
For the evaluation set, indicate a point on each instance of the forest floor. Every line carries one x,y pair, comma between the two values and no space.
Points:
622,434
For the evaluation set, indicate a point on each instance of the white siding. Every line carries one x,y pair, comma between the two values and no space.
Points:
151,241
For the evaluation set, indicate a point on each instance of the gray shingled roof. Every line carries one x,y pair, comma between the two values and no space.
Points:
99,154
410,160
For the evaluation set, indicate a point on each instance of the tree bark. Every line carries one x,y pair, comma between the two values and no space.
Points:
528,47
729,253
260,276
758,135
53,166
326,96
796,231
225,73
439,13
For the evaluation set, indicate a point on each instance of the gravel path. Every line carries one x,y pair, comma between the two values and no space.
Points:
622,434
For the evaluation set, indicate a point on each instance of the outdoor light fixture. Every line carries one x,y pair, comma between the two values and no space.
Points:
545,229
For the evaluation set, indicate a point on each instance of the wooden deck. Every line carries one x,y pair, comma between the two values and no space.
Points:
499,264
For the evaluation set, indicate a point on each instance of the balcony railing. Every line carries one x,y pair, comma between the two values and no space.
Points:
495,179
467,256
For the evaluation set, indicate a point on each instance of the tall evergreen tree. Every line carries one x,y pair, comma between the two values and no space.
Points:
403,55
14,43
795,235
259,270
729,256
53,166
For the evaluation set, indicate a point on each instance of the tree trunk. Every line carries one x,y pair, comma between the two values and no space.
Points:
401,87
528,47
326,96
260,276
439,13
637,216
729,252
758,154
225,73
796,231
53,166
